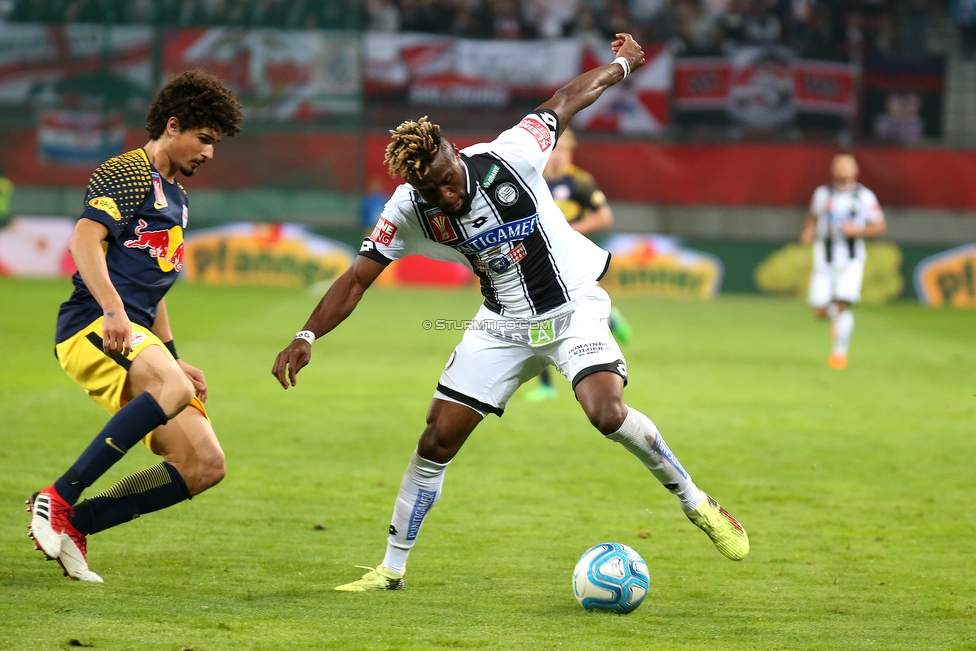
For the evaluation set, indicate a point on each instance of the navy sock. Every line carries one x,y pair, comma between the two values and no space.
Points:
126,428
146,491
544,378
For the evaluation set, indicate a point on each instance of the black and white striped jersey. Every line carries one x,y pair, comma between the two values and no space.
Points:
514,237
832,209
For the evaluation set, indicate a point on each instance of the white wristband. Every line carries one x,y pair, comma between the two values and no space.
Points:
623,63
307,335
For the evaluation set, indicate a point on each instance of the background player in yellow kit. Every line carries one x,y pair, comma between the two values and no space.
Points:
587,211
113,334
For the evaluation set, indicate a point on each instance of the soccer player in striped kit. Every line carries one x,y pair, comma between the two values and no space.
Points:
842,214
488,206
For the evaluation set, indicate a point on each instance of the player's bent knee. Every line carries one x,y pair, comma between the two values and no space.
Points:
215,471
607,416
438,444
206,471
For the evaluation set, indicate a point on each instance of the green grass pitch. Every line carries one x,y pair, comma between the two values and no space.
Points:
856,486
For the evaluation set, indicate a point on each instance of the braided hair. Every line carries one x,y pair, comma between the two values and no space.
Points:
414,146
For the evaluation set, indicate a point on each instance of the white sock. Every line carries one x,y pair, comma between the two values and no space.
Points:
843,329
832,311
641,438
419,491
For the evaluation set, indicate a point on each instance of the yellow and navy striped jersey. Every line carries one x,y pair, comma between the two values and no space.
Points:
576,193
145,216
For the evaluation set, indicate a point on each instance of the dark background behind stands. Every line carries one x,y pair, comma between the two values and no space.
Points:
816,28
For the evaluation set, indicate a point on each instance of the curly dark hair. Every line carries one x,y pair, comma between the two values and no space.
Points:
198,100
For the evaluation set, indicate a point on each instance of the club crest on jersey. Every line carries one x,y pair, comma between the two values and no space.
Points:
383,232
107,206
186,216
440,225
511,232
537,130
507,194
159,196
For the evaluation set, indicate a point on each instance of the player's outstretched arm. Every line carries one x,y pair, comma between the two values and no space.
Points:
585,89
337,304
85,246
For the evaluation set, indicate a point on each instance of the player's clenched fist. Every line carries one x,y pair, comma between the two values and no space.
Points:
625,46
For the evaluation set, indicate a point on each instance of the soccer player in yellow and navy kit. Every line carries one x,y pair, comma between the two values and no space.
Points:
585,207
113,334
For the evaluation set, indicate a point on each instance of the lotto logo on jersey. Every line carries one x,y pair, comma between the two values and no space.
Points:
538,130
440,225
383,232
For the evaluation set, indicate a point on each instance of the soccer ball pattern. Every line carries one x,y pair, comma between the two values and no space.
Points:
612,577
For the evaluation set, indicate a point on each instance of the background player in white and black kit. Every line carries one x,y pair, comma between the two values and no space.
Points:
841,215
490,207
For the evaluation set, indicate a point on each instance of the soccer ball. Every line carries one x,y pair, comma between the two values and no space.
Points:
610,576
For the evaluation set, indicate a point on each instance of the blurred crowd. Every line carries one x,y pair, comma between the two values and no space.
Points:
828,28
822,28
288,14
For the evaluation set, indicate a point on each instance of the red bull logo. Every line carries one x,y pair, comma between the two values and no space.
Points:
166,246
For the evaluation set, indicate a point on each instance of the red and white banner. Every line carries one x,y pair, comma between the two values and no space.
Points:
764,86
47,64
443,71
276,74
824,87
637,105
79,137
446,71
701,83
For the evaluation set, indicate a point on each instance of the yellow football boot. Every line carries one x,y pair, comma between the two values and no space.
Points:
376,579
724,530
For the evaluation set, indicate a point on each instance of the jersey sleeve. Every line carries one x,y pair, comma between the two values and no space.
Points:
870,205
116,190
818,200
394,235
531,140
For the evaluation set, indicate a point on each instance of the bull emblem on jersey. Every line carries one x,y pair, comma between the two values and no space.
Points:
166,246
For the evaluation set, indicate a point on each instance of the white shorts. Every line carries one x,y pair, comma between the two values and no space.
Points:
498,354
834,282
